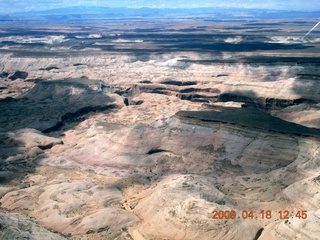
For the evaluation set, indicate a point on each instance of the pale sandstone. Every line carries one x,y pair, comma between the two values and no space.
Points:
138,170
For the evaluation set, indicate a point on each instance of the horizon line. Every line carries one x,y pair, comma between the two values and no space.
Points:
159,7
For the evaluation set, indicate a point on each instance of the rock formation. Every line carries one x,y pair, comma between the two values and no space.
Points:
116,144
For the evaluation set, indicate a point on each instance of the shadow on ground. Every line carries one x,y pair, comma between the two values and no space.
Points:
48,106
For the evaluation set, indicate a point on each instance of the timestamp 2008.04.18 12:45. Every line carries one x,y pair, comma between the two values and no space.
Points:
263,214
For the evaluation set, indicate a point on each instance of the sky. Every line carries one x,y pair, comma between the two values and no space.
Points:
11,6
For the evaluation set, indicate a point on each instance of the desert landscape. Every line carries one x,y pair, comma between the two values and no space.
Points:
175,127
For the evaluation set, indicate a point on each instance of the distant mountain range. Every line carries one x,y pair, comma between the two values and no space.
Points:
218,14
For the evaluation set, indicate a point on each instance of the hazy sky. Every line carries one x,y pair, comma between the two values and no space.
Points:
10,6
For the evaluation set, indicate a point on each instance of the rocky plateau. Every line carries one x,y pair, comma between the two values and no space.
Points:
100,143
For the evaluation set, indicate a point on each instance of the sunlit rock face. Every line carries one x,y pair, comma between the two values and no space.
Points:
17,227
132,135
256,81
169,172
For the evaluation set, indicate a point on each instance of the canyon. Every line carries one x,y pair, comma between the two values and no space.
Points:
144,131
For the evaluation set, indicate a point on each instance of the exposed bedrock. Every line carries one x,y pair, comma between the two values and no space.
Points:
194,94
304,114
50,103
47,106
77,66
25,138
194,169
262,99
172,146
110,171
167,211
77,207
19,148
15,227
269,85
159,174
262,103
